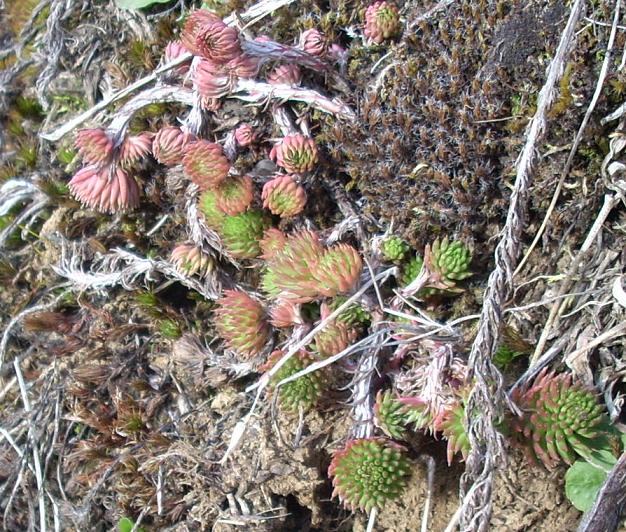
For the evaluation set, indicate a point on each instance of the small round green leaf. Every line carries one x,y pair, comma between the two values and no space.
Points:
138,4
582,483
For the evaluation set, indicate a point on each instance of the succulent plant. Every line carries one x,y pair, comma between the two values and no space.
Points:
244,135
207,204
313,42
189,259
452,426
285,313
450,261
243,66
134,148
105,189
194,24
174,50
288,74
235,194
218,42
303,270
305,391
240,321
288,271
273,241
411,270
389,415
338,270
94,146
354,315
381,21
205,164
296,153
560,419
368,472
394,249
333,338
241,233
283,196
168,145
211,80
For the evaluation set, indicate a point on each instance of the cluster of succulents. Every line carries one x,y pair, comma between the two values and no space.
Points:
301,393
368,472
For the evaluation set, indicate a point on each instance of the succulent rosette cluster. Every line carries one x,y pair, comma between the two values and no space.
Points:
304,270
105,183
284,196
168,145
273,242
189,259
296,153
560,420
240,320
390,415
452,426
234,195
313,42
450,261
244,135
205,164
285,313
241,234
382,21
105,189
368,472
301,393
288,74
334,337
394,249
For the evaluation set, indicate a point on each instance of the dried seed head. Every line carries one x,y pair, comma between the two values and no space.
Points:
240,321
134,148
368,472
190,259
381,21
94,145
285,75
244,135
283,196
168,145
313,42
205,164
105,190
296,153
235,194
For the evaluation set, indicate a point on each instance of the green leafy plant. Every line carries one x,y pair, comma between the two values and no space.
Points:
138,4
582,483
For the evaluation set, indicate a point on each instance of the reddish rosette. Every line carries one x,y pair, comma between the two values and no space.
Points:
173,51
205,164
285,75
296,153
338,270
313,42
105,189
134,148
244,135
189,259
285,313
243,66
283,196
196,21
168,145
273,242
235,194
218,42
240,321
381,22
94,145
211,81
